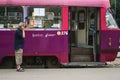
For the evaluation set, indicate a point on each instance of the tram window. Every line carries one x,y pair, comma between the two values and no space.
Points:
44,17
10,16
110,22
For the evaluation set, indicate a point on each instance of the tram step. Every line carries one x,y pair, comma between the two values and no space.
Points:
82,58
80,64
80,50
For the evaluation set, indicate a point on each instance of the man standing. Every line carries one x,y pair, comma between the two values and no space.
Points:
19,45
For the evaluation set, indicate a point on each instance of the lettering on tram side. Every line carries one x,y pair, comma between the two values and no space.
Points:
59,33
50,35
37,35
62,33
43,35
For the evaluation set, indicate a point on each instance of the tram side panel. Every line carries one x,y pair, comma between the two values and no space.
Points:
37,43
109,45
6,43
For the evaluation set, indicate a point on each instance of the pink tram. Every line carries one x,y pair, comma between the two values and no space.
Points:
66,32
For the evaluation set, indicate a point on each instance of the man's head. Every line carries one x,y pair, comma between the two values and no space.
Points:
22,25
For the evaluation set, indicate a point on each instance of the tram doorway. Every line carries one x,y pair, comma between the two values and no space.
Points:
84,41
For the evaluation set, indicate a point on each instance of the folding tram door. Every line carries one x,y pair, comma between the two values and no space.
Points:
83,38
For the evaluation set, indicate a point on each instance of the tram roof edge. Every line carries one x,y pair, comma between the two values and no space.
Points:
87,3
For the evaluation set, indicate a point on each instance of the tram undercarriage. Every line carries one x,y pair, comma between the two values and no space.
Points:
32,62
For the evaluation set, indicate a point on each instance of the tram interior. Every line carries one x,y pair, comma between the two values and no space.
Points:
84,34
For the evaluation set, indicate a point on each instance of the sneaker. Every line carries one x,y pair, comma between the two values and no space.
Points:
20,70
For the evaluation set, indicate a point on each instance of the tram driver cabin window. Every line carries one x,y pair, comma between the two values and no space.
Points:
38,17
110,21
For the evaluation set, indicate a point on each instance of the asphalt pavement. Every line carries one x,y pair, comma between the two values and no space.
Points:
62,74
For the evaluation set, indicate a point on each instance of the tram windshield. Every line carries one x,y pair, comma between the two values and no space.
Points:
110,21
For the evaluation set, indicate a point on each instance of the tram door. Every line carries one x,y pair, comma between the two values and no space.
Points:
82,38
78,26
81,27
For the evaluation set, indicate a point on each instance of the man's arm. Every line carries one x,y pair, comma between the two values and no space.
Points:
23,33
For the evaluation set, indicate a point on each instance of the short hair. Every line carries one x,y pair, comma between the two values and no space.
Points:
21,24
